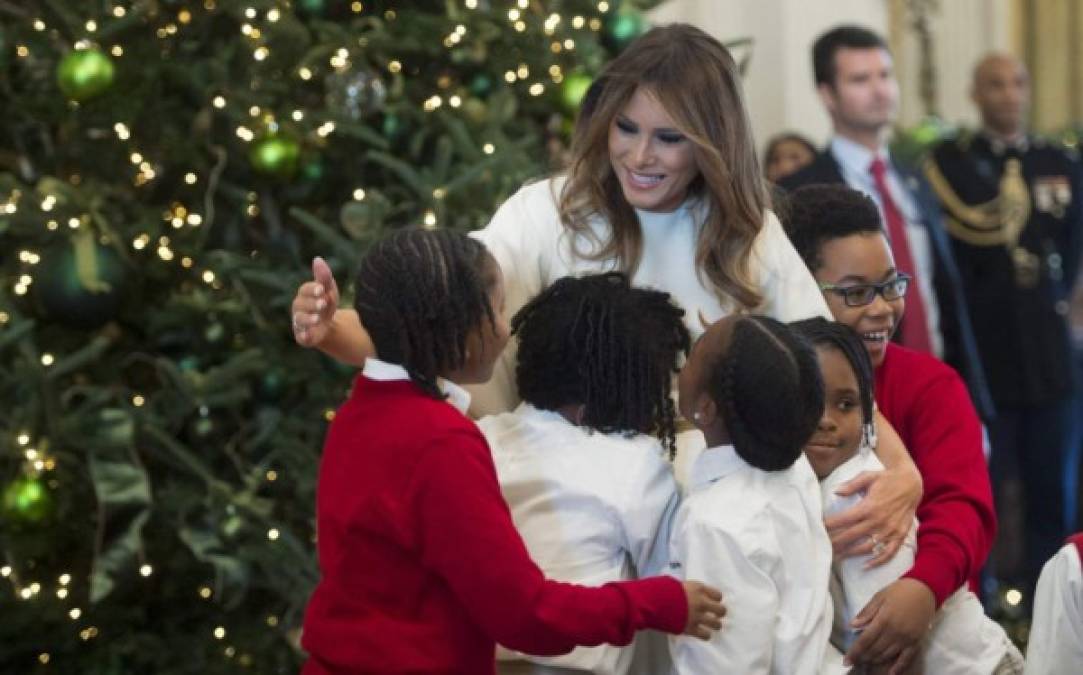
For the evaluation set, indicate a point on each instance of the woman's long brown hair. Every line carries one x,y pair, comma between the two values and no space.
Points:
697,82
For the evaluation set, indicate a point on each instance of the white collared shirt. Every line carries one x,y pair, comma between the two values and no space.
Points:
1056,632
534,249
382,371
962,639
854,160
758,537
591,507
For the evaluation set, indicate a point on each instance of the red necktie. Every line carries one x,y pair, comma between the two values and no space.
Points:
915,327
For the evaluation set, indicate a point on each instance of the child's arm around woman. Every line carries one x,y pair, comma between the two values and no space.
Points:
467,536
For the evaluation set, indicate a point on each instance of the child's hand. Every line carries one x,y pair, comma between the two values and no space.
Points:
892,625
705,610
314,306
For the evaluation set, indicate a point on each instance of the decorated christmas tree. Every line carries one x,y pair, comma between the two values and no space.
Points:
168,168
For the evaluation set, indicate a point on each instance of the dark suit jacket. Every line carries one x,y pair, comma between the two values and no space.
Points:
960,347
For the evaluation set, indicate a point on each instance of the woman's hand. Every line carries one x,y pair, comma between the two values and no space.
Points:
705,610
880,522
892,626
313,308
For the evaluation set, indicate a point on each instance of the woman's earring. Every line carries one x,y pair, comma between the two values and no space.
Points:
695,416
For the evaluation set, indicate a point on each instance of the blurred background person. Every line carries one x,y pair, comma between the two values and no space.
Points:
787,153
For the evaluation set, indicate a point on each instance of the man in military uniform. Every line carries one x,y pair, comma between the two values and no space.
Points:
1012,207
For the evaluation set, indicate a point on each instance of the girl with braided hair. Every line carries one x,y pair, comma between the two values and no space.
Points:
751,521
962,640
582,461
422,569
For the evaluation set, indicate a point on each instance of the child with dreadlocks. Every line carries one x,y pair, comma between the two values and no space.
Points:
751,522
962,640
581,461
422,568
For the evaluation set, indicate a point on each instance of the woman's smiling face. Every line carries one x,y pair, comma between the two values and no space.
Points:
653,160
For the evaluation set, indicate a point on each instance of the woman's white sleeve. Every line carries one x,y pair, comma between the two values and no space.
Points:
517,237
790,291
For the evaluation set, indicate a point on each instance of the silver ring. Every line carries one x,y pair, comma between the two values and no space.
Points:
297,328
877,545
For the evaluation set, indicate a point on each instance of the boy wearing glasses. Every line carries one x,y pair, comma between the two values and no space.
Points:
837,232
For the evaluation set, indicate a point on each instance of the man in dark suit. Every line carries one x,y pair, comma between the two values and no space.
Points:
856,83
1013,211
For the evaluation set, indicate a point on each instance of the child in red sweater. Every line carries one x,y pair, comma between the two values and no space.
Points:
838,233
422,568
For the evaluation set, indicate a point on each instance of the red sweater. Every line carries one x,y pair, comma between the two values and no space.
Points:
422,568
929,406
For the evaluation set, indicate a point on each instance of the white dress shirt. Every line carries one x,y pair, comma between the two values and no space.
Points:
854,160
592,508
962,640
1056,631
758,537
534,249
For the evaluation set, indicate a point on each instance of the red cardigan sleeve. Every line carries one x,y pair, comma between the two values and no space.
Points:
956,515
467,537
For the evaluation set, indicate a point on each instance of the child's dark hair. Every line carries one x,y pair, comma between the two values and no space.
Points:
840,337
769,392
816,214
420,293
598,342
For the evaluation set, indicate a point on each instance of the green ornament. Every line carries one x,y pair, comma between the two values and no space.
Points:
391,126
573,89
313,170
623,27
481,85
271,385
27,501
313,7
80,284
275,155
84,74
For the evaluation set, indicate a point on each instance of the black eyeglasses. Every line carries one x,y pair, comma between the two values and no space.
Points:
859,295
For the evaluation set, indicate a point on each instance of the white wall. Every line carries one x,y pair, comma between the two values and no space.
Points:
963,32
779,87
